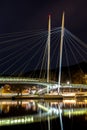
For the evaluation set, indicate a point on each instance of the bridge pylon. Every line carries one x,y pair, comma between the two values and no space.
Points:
61,48
48,46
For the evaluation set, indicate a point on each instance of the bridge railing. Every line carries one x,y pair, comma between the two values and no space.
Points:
17,79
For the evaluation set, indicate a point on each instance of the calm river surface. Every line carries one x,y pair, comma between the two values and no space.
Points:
43,114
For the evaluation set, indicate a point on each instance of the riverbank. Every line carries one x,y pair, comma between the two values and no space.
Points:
60,97
47,96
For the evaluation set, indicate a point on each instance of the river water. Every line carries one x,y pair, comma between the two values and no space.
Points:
43,114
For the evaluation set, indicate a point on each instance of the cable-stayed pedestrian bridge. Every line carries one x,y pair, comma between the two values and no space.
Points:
39,83
38,54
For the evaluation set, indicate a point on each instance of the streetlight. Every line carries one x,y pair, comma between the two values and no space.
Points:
68,82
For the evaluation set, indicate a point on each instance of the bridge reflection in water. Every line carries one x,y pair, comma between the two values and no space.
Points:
44,111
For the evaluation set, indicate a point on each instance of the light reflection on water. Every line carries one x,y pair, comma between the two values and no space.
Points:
30,111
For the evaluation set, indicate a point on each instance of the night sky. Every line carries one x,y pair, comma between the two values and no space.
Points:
29,15
26,15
